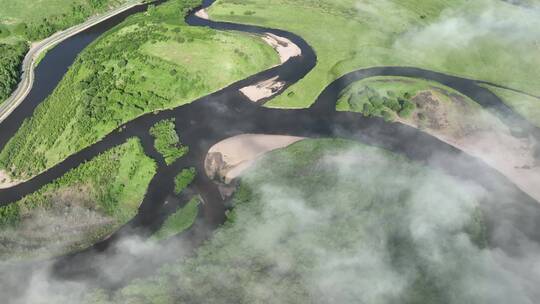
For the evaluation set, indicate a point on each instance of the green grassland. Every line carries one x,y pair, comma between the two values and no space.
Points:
465,38
34,20
301,210
167,142
525,105
152,61
80,208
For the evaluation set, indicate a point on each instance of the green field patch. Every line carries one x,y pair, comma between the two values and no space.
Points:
235,51
523,104
34,20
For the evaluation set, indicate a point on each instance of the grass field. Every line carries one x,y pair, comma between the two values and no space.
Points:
80,208
487,39
19,18
14,12
525,105
150,62
321,222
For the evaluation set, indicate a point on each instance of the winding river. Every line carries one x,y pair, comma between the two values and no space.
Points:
228,112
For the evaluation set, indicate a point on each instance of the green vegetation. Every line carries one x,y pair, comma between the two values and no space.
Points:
151,61
323,221
80,208
183,179
167,141
372,102
179,221
460,37
389,97
35,20
184,217
11,57
525,105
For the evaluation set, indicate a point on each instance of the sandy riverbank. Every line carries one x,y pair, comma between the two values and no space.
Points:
481,134
263,89
285,48
267,88
6,181
202,13
229,158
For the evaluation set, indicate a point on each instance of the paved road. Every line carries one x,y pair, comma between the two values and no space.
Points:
38,48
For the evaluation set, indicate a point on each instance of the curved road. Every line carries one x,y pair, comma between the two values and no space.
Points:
228,112
39,48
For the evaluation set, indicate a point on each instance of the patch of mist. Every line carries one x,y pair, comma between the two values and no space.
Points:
130,258
46,232
458,27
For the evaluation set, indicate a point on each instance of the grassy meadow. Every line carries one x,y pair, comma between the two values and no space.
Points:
35,20
525,105
487,39
152,61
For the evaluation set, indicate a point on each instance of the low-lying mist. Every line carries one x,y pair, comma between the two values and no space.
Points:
329,221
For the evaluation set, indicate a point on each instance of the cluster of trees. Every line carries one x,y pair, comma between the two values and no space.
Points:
11,57
167,142
370,102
